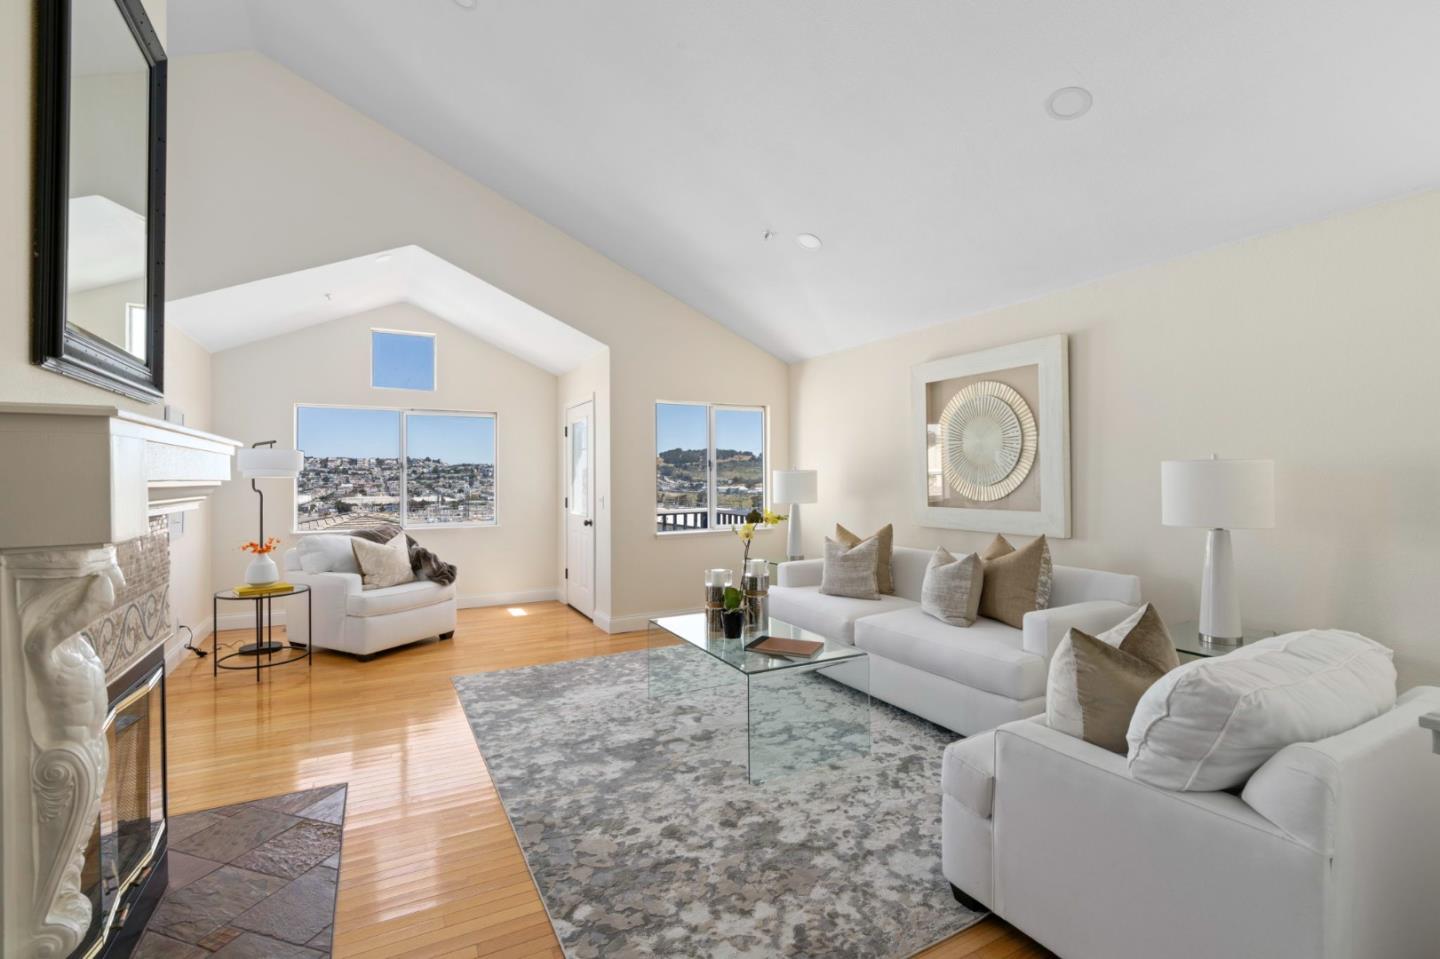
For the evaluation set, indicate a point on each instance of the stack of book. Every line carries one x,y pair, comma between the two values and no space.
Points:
264,589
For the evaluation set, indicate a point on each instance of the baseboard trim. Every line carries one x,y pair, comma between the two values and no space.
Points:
634,622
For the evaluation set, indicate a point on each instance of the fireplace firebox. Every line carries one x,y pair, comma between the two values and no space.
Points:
124,872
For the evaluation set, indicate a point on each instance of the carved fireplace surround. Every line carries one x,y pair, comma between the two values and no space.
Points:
78,482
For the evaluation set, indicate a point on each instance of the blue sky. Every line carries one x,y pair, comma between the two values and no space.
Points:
683,426
402,360
328,431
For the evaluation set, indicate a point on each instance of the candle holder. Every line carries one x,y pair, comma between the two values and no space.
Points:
716,581
756,586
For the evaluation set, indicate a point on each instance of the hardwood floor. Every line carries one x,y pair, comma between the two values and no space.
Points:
430,866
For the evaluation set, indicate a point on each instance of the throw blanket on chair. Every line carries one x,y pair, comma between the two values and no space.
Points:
422,561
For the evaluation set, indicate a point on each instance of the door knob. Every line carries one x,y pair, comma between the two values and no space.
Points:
589,522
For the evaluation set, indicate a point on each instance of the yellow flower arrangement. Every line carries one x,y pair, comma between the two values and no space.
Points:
746,530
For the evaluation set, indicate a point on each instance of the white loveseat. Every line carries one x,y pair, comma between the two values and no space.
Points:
1331,850
361,621
967,679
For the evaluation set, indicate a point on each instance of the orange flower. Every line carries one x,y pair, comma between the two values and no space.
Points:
259,549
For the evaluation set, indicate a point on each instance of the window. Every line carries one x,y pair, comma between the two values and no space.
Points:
135,331
364,467
709,465
402,361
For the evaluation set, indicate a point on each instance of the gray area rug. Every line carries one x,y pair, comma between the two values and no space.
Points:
646,837
255,880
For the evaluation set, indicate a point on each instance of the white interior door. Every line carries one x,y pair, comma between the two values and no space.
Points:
580,507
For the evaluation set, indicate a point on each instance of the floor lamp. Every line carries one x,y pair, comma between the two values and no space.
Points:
794,487
1218,495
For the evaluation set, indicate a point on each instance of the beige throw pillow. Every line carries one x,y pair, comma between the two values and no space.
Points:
1097,681
951,591
884,573
1017,581
850,570
382,566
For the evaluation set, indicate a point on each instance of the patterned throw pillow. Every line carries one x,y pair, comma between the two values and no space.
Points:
884,574
850,570
382,566
1017,581
1097,681
951,591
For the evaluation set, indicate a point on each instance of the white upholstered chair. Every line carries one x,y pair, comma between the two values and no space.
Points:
361,621
1331,850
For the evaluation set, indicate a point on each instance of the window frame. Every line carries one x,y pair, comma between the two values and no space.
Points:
404,413
712,494
434,360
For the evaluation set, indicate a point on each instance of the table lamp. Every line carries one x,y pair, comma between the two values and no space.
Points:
1218,495
793,487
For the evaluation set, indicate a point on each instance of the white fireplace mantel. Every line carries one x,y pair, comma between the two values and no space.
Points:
74,481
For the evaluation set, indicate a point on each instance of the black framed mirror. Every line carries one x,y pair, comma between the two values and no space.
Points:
99,229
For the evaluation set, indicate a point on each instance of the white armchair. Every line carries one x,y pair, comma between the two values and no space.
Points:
364,622
1331,851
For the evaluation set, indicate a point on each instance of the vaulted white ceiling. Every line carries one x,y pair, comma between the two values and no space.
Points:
274,306
911,136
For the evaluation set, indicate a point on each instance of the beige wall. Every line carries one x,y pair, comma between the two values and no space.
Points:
187,390
269,174
257,386
1316,347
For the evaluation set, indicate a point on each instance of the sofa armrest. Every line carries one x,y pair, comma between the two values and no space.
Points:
800,572
1044,628
328,592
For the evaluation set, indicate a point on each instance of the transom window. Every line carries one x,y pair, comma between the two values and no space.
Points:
367,466
709,465
402,361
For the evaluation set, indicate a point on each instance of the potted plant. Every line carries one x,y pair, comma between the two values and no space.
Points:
262,569
734,615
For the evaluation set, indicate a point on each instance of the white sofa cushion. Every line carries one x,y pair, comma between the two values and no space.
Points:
326,553
986,656
1211,723
831,616
396,599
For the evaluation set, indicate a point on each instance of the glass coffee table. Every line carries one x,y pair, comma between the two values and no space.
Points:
799,712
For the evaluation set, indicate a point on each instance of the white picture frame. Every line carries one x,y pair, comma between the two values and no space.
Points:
1051,354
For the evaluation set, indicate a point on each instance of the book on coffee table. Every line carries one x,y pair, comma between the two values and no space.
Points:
783,646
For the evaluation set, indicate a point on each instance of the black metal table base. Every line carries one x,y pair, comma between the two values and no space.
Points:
261,653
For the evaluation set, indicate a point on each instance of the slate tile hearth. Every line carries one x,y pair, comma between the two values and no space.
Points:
251,881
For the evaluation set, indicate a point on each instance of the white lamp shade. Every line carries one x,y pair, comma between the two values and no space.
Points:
1218,494
793,486
267,462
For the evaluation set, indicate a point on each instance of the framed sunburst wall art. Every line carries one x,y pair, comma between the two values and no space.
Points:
992,439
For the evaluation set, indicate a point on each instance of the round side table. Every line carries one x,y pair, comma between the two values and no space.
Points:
265,646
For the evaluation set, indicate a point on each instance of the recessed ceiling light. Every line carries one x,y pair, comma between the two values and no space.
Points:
1069,103
809,241
466,4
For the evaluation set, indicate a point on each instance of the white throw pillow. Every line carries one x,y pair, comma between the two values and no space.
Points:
326,553
383,566
1211,723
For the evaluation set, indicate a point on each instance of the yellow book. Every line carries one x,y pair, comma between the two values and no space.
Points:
266,589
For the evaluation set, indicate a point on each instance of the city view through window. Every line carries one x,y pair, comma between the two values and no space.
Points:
688,438
365,467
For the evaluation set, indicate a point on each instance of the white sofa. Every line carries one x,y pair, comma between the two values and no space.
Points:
1331,851
963,678
364,622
